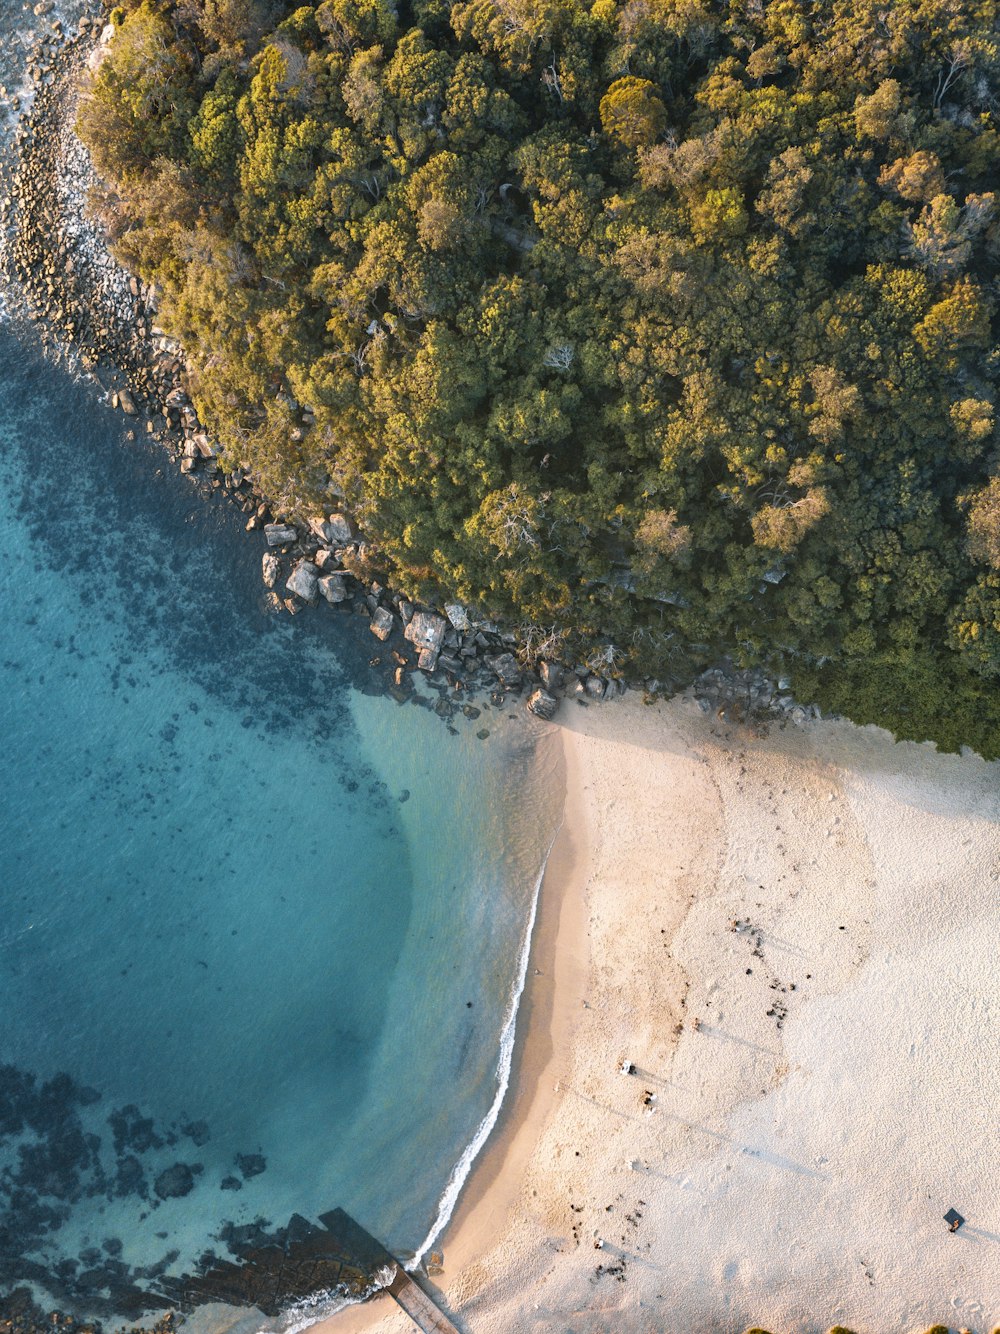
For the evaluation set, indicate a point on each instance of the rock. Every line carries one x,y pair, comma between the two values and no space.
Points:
381,623
505,668
324,557
338,529
175,1182
594,687
231,1183
188,465
426,631
270,568
332,587
551,674
542,704
127,403
278,534
251,1164
449,664
458,616
44,7
427,659
303,580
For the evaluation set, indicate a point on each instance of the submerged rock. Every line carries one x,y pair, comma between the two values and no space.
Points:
175,1182
251,1164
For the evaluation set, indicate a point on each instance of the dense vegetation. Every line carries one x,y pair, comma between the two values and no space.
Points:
661,326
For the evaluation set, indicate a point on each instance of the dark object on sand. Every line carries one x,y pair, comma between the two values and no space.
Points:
954,1220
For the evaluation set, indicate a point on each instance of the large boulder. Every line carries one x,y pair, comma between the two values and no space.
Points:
278,534
381,623
426,631
270,565
303,581
542,704
506,670
458,616
338,529
332,587
551,674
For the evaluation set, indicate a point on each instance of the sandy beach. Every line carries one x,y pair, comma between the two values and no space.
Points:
792,938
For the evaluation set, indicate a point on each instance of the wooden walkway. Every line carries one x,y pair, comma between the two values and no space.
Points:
418,1306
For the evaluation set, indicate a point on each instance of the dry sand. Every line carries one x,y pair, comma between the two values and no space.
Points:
795,940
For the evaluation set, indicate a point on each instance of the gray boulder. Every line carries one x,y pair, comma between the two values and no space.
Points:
338,529
505,668
381,623
551,674
427,659
458,616
426,630
270,568
278,534
542,704
594,687
331,586
303,581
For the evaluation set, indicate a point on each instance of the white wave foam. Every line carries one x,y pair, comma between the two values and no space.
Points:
325,1303
461,1170
311,1310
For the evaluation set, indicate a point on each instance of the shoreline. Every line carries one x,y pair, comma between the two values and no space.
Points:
790,937
548,1013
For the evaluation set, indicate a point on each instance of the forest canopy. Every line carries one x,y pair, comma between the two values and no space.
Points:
666,328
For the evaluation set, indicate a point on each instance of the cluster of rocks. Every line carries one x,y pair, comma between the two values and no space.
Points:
21,1314
56,254
325,561
750,696
273,1269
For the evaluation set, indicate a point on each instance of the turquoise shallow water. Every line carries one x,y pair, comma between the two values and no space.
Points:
260,927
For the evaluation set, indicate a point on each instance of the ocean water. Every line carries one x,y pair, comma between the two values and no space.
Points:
263,929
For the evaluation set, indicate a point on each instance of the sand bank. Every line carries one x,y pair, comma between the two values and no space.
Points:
794,939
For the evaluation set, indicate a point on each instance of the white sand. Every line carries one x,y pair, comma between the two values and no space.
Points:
793,1174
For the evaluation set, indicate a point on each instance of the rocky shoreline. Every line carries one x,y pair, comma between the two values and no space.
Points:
92,311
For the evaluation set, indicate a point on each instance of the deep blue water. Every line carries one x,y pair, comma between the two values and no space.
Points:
260,926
